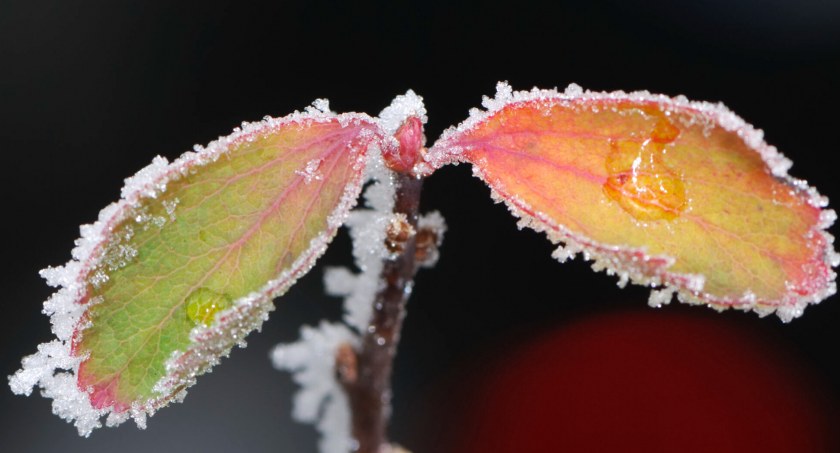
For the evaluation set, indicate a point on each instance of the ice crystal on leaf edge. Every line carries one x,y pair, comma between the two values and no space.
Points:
54,368
630,264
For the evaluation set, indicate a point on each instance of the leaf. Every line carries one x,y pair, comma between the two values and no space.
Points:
187,263
661,191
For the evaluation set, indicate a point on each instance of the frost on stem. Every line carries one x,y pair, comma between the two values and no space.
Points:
681,196
321,399
430,230
311,360
368,225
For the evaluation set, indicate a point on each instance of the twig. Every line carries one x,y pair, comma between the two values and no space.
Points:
366,376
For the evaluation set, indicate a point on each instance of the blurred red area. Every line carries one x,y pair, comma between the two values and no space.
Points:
651,382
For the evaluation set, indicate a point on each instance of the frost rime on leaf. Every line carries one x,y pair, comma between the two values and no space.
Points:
659,191
187,204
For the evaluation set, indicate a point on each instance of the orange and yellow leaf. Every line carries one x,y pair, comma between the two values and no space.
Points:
661,191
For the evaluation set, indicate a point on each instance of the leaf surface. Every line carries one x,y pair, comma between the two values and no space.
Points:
660,191
187,264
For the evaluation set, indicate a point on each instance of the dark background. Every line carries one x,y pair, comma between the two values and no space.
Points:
90,91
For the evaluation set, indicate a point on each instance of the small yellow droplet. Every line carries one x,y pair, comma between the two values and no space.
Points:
640,181
664,132
203,304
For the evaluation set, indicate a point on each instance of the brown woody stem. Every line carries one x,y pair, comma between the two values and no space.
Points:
368,387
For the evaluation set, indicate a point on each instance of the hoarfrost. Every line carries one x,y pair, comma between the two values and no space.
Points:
433,222
147,183
321,400
54,370
564,253
169,206
827,218
339,281
660,297
310,171
319,106
312,359
402,107
367,227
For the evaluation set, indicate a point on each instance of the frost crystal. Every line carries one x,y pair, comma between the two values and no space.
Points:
319,106
310,171
660,297
434,223
368,225
367,228
320,400
402,107
69,403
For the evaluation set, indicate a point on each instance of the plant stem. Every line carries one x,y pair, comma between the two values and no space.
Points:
369,387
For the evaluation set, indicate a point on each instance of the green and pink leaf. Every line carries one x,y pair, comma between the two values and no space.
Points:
186,264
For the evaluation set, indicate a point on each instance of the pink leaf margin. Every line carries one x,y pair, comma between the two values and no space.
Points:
635,264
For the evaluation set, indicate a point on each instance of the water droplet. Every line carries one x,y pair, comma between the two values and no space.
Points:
203,304
664,132
639,179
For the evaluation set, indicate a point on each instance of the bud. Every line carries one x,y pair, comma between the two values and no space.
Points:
411,140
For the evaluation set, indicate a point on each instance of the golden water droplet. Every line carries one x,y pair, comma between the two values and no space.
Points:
664,132
203,304
639,179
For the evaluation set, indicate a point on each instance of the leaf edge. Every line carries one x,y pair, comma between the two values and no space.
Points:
54,366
